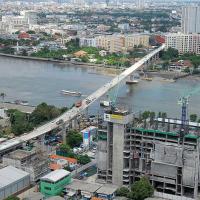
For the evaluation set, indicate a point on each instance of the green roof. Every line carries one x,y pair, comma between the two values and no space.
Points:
191,136
156,131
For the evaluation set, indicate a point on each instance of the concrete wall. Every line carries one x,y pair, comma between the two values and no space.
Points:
15,187
118,145
102,155
170,196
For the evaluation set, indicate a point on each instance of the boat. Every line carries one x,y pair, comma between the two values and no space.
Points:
134,81
21,102
72,93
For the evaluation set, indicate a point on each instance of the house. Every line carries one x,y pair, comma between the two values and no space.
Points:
80,53
180,65
59,162
103,53
84,189
107,191
53,183
24,36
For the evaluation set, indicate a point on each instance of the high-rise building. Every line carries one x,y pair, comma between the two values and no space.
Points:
191,19
140,4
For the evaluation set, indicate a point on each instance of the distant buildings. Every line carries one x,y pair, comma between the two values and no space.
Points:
140,4
116,42
12,23
190,19
184,43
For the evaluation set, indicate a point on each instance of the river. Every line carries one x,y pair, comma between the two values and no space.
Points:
37,82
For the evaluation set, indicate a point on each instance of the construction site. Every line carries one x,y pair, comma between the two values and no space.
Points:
165,150
34,162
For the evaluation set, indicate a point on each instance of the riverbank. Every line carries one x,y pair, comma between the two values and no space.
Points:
58,61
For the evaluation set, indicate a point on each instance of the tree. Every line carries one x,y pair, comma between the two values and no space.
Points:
19,123
193,117
65,148
84,159
141,189
24,53
74,138
2,95
145,114
122,192
44,112
12,198
152,116
31,32
170,54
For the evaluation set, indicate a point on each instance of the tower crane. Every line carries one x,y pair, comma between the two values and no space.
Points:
184,101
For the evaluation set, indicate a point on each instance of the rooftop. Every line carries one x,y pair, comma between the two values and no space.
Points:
55,198
107,189
68,159
83,186
18,154
9,175
55,175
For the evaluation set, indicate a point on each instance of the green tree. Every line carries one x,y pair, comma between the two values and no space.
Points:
145,114
74,138
169,54
152,116
65,148
141,189
43,113
84,159
19,123
193,117
31,32
2,95
12,198
122,192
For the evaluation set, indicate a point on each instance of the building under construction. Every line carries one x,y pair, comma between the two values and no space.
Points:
130,147
33,162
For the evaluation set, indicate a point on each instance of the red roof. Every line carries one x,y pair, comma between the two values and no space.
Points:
70,160
160,39
54,166
24,35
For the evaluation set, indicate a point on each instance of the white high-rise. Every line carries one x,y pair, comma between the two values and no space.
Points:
140,4
191,19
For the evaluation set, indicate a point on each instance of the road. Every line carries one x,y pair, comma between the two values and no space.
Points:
72,113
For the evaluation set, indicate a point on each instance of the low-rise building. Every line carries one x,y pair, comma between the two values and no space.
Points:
107,191
12,181
81,188
53,183
59,162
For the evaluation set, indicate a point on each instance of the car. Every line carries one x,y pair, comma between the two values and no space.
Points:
60,121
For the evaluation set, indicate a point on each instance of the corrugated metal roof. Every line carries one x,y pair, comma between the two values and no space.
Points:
10,174
55,175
